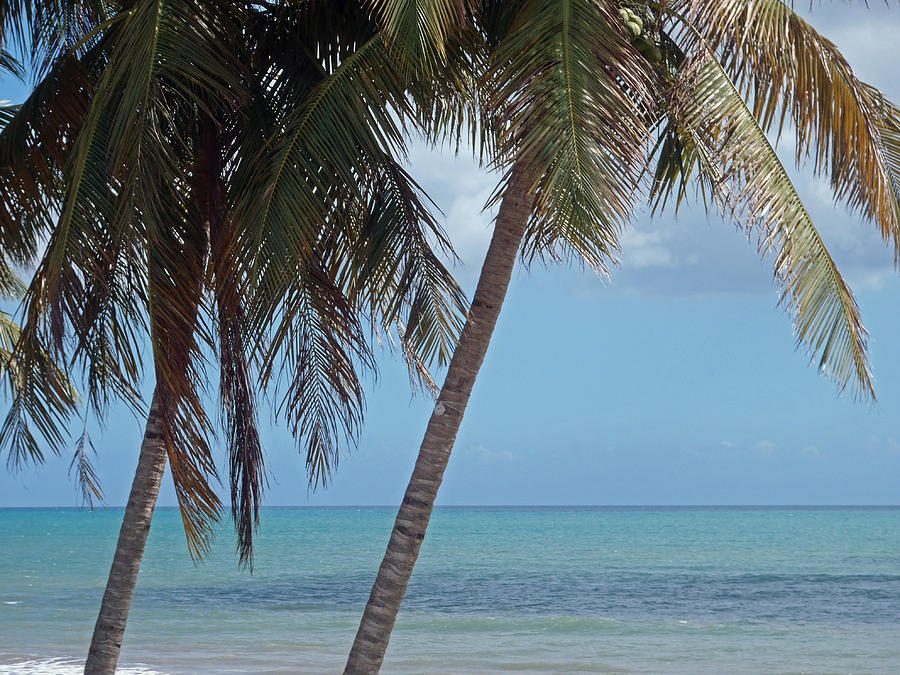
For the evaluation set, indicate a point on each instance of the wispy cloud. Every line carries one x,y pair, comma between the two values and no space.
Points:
764,447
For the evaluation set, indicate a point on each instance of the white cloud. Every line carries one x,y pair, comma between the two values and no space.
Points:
642,249
484,453
460,188
810,451
764,447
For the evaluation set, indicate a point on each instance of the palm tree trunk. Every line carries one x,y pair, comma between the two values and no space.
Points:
374,632
110,627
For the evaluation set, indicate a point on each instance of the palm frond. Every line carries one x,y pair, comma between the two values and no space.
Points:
315,345
126,255
11,287
397,274
35,143
788,70
343,128
237,388
751,185
10,65
82,468
419,29
42,399
571,95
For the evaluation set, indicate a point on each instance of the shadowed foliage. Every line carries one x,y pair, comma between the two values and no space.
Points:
223,183
43,399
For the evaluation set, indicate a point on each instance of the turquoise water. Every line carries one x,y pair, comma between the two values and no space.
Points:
540,590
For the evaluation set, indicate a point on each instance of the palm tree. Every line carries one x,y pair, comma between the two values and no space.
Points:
160,112
565,93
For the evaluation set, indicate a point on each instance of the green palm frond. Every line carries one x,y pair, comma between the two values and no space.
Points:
789,71
337,143
238,393
315,344
571,95
125,255
750,184
11,287
398,275
419,29
342,129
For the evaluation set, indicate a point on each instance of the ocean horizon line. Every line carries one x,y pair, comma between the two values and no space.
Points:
507,507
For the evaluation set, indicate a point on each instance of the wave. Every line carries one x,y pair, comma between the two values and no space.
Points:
64,666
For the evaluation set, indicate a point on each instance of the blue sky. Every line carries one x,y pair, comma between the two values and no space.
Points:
674,382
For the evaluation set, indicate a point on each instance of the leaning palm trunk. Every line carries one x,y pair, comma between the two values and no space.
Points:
110,628
374,632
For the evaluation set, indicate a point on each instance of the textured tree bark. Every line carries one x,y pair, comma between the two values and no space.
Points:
110,627
367,653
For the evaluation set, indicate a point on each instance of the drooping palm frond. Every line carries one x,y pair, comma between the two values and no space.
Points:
228,285
179,61
887,123
11,287
238,393
82,469
35,142
10,65
749,183
341,130
571,96
393,271
310,362
42,400
676,169
126,254
318,180
789,71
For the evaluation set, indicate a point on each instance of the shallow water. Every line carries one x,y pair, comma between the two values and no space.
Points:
575,590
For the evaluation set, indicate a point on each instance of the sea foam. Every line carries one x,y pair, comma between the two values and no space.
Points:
63,666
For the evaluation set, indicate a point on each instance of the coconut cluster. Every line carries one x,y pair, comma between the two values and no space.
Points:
641,39
633,21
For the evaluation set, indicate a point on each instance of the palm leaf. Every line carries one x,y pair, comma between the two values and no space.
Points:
82,467
420,29
788,70
752,186
570,95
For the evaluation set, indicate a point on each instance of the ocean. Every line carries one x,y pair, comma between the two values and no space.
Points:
496,590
